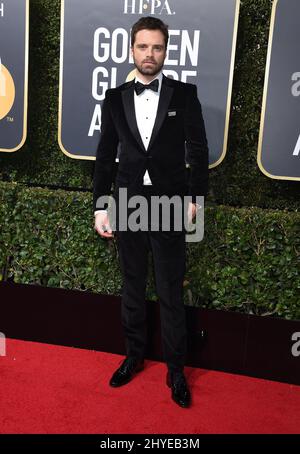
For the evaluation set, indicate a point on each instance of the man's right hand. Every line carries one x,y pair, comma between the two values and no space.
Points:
102,225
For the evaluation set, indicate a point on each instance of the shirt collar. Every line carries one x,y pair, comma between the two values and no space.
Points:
159,76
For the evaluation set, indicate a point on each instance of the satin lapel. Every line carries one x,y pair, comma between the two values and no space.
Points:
164,101
129,109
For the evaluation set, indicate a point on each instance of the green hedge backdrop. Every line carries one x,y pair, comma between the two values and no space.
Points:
249,260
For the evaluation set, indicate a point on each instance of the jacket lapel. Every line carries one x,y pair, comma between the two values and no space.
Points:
164,101
129,109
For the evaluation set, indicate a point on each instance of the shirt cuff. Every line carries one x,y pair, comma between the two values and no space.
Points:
100,211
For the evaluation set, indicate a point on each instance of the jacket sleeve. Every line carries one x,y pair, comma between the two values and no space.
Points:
106,154
196,142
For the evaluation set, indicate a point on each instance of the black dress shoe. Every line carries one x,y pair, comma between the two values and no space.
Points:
180,391
126,371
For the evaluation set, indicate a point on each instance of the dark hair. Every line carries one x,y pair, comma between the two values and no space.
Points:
149,23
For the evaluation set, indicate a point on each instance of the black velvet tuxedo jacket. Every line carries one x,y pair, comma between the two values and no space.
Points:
178,136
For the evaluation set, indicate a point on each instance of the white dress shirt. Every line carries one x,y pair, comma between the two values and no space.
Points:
145,105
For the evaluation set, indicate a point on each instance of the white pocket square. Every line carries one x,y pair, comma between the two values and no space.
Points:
172,113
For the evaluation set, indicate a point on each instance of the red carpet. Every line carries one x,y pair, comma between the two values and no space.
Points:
53,389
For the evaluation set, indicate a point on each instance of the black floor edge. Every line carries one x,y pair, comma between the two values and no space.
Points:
263,347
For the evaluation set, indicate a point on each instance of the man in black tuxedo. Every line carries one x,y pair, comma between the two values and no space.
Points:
152,120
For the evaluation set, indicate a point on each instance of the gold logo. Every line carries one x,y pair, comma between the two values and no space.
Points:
131,75
7,91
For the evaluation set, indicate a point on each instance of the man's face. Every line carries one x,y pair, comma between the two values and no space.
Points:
149,52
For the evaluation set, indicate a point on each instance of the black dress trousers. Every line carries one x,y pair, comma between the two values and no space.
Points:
169,257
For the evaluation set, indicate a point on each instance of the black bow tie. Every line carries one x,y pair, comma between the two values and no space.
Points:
139,87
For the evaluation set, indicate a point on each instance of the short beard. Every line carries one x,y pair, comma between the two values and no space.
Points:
149,71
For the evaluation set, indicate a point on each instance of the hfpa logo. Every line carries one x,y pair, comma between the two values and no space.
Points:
147,7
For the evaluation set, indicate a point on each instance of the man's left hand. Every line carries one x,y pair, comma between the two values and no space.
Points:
192,210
